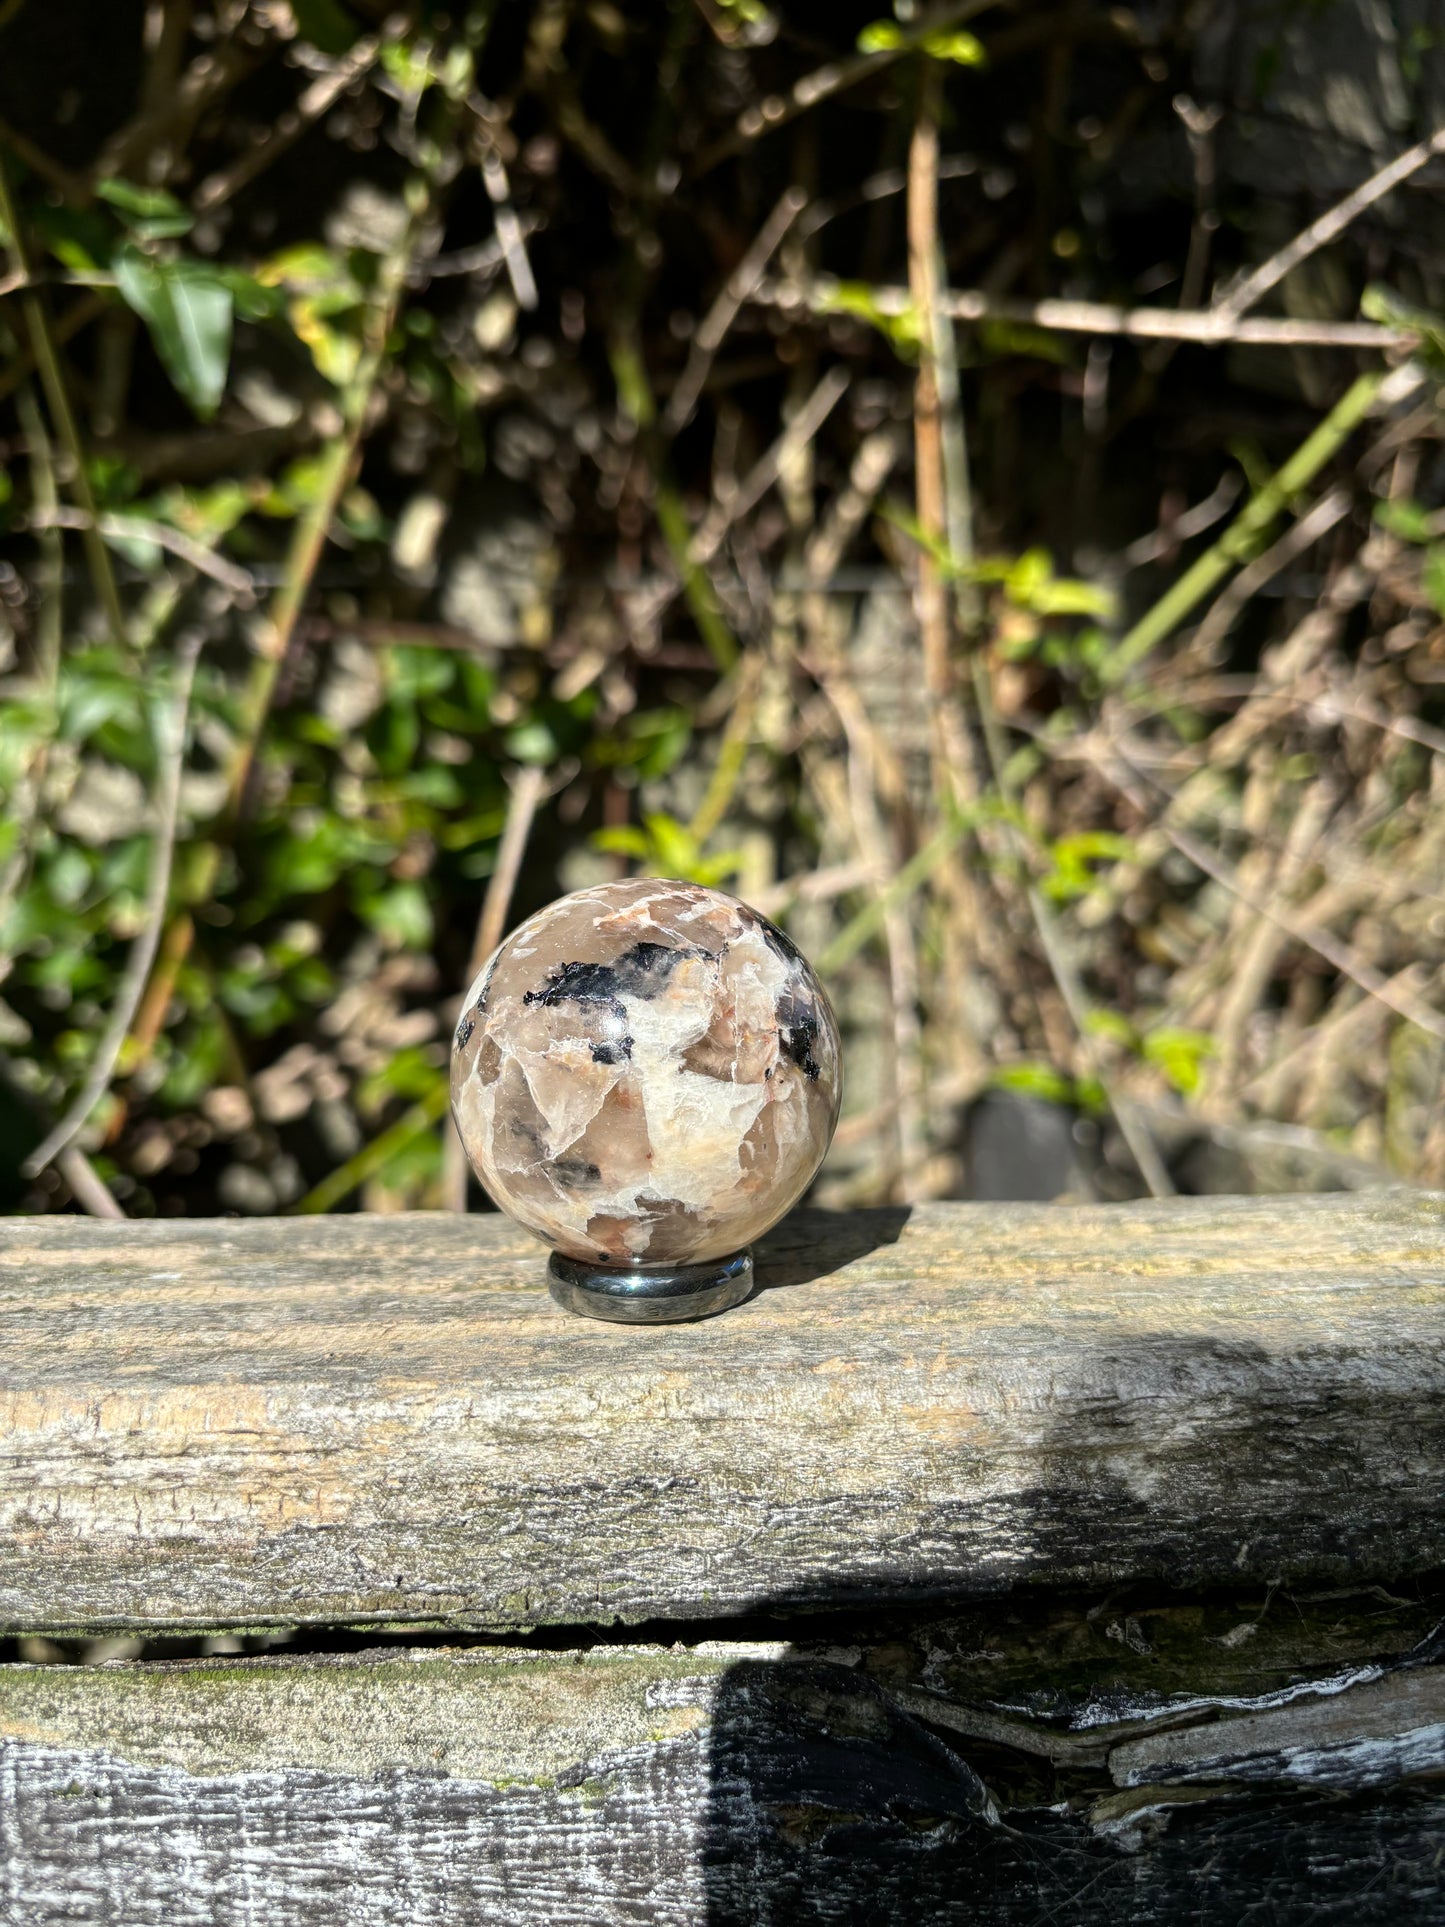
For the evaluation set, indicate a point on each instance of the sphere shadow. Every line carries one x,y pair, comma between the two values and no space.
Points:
810,1244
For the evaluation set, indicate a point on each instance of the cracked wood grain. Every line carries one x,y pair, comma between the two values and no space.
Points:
386,1420
728,1783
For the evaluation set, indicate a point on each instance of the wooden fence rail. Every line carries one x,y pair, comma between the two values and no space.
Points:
1089,1564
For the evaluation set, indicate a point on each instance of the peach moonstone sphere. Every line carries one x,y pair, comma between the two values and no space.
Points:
646,1074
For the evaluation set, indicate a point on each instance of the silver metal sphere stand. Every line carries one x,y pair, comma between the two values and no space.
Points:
635,1295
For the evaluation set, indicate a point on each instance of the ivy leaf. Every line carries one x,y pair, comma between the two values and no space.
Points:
188,310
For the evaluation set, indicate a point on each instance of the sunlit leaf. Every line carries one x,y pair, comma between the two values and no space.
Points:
1179,1055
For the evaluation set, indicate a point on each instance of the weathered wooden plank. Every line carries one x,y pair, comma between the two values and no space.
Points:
724,1784
387,1420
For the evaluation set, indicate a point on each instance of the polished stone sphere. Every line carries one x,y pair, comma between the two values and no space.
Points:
646,1073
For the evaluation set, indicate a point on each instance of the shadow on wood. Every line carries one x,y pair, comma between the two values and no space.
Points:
834,1798
793,1254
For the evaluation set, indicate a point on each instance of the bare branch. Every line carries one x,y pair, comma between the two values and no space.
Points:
289,127
85,1184
140,528
1323,942
529,786
765,471
1333,222
1206,326
737,290
509,228
778,109
1331,508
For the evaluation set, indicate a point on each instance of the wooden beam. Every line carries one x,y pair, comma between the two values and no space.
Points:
386,1420
731,1783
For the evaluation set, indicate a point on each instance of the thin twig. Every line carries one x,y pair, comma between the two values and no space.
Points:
1331,508
1165,540
823,296
1333,222
1132,1127
812,886
732,753
371,1158
1239,540
862,928
87,309
288,128
72,186
824,82
85,1184
737,291
941,444
1251,955
1330,709
876,456
930,499
172,748
637,402
23,802
712,530
528,787
1341,1028
902,954
211,75
1124,778
509,228
485,257
57,395
140,528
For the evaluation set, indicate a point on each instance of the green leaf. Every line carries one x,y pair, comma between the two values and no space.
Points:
532,743
1179,1054
1035,1080
401,913
1432,577
1031,584
656,738
81,239
254,299
328,26
1003,338
886,36
1071,876
187,308
139,550
880,36
858,298
1385,306
961,48
1410,521
67,875
1114,1025
410,1074
149,212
